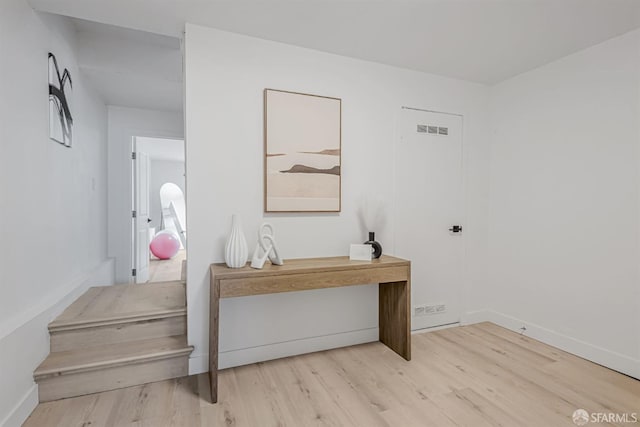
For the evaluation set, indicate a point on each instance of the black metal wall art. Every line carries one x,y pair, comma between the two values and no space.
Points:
60,118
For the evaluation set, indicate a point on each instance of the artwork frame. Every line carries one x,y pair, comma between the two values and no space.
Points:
302,152
60,103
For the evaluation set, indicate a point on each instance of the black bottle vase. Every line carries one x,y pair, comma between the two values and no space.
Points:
376,248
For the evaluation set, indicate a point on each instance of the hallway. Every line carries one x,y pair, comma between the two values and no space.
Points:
168,269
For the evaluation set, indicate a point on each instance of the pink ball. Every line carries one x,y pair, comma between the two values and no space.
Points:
164,245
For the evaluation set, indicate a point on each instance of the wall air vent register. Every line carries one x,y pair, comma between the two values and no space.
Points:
433,130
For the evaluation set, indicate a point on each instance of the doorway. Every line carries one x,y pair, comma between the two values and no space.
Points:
429,213
159,231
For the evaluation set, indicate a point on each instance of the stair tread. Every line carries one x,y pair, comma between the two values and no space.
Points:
112,302
115,320
97,357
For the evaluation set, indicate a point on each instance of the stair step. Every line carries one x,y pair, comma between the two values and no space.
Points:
116,336
105,302
122,329
120,314
116,319
64,362
107,367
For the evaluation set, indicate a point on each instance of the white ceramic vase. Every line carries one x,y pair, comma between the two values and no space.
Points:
236,252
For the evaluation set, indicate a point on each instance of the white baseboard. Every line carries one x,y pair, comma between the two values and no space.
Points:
24,343
22,409
618,362
246,356
103,273
435,328
198,363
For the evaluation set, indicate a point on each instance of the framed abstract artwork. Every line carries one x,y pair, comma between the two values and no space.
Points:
60,118
302,152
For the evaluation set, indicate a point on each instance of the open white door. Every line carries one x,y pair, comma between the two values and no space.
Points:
429,206
141,221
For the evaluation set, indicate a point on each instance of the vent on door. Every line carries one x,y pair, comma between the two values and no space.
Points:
433,130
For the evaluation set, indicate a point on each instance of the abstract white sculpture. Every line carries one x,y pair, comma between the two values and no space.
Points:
266,248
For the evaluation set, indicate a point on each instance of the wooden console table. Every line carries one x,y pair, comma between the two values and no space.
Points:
393,275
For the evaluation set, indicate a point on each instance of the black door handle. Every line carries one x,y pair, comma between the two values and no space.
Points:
456,229
149,220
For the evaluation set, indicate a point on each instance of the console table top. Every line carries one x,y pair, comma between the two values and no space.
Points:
305,265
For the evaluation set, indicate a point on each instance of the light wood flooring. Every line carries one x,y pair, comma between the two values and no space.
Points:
478,375
163,270
105,302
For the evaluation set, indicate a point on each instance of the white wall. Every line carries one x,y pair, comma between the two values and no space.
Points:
163,171
564,221
124,124
52,199
26,344
225,77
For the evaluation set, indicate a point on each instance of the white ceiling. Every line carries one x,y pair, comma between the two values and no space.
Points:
131,68
484,41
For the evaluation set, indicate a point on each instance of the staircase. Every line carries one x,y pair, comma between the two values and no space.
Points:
114,337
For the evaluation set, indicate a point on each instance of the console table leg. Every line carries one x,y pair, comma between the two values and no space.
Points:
394,316
213,339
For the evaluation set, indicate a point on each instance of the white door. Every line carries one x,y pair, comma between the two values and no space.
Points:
429,203
142,217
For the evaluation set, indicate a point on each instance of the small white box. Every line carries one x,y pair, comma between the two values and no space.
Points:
360,252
